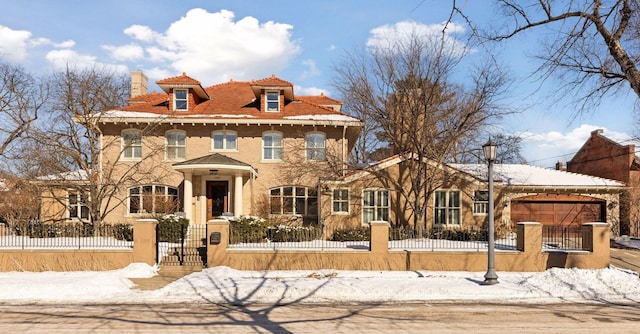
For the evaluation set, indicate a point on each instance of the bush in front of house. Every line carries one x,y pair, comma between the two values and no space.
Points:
172,228
37,229
353,234
285,233
248,229
459,234
122,232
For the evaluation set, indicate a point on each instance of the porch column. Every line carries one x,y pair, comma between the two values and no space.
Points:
237,196
188,197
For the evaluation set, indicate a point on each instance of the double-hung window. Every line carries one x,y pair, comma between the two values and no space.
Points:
480,202
131,144
272,146
340,201
375,205
224,140
153,199
293,201
77,207
447,207
176,145
315,146
180,100
273,101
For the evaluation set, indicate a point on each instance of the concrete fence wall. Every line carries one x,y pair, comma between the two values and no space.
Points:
528,255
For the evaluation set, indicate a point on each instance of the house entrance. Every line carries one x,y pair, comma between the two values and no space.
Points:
217,198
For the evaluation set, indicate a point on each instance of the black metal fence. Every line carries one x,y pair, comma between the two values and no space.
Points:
464,239
35,235
558,237
181,244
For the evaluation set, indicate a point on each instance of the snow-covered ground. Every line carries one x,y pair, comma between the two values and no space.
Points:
226,285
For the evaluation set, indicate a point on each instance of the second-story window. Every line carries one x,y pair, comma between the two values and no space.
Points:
131,144
176,145
315,146
224,140
272,146
273,101
180,100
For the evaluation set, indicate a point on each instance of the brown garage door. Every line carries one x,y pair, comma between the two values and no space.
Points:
563,212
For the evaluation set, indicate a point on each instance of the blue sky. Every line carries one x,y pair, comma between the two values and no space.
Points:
299,41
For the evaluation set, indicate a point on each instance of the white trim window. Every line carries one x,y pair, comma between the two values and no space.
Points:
77,208
132,144
272,146
153,199
224,140
272,102
293,201
375,205
446,207
315,146
180,99
480,202
176,145
340,200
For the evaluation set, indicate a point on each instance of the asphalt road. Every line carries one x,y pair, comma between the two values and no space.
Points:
405,318
626,258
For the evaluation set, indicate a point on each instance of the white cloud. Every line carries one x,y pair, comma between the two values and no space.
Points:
65,44
387,37
545,149
299,90
61,58
214,48
13,44
311,71
125,52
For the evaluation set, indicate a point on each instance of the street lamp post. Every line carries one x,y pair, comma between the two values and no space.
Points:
490,277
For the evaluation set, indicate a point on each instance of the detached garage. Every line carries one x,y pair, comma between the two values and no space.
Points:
558,210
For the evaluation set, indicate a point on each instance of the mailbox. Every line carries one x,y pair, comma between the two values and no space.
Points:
214,238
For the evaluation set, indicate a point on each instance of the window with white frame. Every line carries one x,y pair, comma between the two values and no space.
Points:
77,206
273,101
375,205
480,202
176,145
315,146
224,140
131,144
153,199
447,207
293,201
272,146
180,100
340,201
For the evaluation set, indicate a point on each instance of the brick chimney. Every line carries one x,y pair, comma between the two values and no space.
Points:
139,83
559,165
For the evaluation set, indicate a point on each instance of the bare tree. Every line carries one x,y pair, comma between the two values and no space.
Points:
70,147
21,99
593,49
17,200
409,98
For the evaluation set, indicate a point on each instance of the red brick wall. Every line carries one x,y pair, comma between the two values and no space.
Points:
602,157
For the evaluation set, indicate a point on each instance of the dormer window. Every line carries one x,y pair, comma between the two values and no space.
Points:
273,101
180,100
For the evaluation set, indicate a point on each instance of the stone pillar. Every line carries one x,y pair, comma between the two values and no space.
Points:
237,196
144,241
529,237
187,197
216,253
379,237
595,239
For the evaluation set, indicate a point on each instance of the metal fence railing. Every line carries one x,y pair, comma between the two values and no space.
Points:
448,239
35,235
296,237
558,237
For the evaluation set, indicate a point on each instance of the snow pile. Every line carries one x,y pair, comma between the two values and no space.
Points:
226,285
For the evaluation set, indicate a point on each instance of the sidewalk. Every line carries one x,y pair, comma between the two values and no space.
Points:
166,275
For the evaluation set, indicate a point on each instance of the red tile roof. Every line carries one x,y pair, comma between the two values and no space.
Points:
183,79
273,82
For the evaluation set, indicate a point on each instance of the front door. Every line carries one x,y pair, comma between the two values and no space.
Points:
217,198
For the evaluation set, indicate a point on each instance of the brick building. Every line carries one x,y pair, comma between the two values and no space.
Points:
603,157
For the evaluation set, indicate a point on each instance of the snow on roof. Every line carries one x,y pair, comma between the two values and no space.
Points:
137,114
78,175
325,118
526,175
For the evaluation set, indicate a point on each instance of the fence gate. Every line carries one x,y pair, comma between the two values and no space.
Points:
181,245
